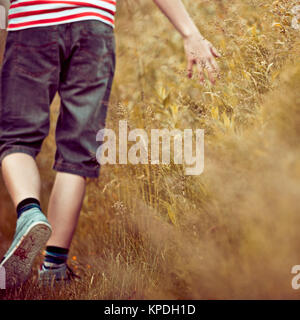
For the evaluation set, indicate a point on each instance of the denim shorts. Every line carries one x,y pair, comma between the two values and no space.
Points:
77,60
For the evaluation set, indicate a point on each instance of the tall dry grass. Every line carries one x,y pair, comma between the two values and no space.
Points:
150,232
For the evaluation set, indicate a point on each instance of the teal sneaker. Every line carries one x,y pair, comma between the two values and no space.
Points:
54,276
32,232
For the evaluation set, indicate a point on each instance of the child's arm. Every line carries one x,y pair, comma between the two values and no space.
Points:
198,50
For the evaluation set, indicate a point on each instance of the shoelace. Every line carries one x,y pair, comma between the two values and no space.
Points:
70,273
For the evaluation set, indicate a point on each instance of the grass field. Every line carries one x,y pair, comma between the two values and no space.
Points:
150,231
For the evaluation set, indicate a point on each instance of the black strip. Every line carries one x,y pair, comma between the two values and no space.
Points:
57,250
25,203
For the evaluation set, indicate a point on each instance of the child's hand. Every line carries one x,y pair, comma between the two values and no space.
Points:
201,52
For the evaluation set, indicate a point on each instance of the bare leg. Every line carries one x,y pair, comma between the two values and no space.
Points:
64,208
21,177
22,180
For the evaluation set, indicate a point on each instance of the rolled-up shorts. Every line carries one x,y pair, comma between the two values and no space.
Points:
77,60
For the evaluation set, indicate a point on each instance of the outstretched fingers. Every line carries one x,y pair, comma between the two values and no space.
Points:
190,65
215,52
211,69
203,54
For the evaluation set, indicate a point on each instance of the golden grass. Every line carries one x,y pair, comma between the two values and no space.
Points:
150,232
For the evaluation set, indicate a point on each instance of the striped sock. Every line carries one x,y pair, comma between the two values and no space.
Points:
55,257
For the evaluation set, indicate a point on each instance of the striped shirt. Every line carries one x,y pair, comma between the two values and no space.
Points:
25,14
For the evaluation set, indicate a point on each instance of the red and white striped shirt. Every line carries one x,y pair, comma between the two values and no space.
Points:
25,14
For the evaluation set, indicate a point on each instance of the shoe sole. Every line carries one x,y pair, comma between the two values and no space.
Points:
19,262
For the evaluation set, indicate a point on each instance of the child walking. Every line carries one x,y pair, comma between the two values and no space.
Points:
66,47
